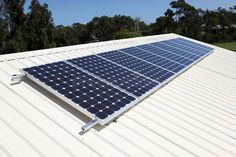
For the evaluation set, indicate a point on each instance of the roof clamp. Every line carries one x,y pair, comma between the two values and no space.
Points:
89,125
17,78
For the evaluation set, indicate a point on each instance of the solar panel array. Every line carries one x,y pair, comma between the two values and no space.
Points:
104,85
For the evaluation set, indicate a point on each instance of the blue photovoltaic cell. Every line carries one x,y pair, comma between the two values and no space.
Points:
138,65
181,42
106,84
181,53
166,54
91,94
154,59
117,75
192,44
186,48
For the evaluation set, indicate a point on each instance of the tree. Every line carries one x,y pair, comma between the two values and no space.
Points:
164,24
15,17
101,28
3,27
124,33
40,26
36,30
63,35
188,18
123,22
71,35
81,33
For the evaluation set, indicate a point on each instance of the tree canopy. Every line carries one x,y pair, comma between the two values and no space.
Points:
210,26
21,31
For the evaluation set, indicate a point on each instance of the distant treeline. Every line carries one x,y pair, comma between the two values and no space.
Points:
20,31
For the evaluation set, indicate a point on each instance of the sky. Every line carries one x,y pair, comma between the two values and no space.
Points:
67,12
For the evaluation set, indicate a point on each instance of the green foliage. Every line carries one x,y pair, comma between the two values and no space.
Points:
76,34
124,33
22,31
40,26
101,28
123,23
13,24
210,26
107,28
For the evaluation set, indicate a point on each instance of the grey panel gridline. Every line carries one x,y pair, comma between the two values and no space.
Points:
105,85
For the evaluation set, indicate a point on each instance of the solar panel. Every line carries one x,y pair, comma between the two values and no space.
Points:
166,54
186,48
138,65
182,53
193,44
102,86
85,92
117,75
154,59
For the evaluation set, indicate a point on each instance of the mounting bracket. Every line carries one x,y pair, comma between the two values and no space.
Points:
89,125
17,78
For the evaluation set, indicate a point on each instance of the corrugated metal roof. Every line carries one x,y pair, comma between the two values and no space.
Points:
194,115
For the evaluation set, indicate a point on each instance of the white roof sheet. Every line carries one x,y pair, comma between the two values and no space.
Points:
194,115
